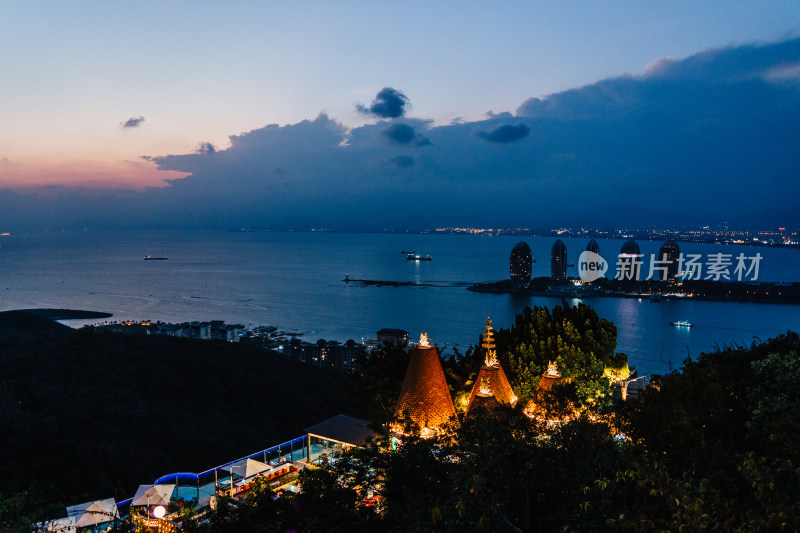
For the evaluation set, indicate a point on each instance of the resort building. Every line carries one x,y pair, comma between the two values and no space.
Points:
425,401
324,353
392,337
558,261
668,255
491,386
335,435
593,247
520,265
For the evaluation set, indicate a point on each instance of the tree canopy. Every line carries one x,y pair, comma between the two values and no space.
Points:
713,446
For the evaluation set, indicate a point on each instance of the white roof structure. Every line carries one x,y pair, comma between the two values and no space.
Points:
91,513
59,525
246,468
153,495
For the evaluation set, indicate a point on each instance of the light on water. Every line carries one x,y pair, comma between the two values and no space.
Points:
294,281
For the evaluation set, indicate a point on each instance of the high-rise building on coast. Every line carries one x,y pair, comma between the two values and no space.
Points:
521,265
630,260
593,247
668,256
558,261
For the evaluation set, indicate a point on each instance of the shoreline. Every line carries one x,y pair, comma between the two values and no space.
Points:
63,314
689,291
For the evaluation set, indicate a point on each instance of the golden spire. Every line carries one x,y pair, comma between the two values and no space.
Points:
488,337
488,345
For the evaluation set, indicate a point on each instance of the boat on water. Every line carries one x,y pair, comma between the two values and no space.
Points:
681,324
148,257
412,257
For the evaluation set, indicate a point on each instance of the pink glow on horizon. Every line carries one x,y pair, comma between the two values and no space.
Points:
125,174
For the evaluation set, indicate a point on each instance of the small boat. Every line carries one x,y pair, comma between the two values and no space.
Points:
681,324
412,257
148,257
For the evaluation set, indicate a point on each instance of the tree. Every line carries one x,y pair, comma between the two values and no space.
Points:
581,344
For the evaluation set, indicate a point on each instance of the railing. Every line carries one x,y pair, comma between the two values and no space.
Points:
191,486
158,525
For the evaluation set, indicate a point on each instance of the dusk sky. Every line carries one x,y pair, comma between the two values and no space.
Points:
123,96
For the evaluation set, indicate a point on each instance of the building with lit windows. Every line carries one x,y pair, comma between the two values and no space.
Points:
669,254
558,261
520,265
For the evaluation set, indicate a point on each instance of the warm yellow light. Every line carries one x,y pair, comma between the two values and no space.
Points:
423,341
159,511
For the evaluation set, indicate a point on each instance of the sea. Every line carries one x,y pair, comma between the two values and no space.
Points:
295,282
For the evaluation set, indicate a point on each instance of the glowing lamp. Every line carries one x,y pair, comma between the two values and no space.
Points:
159,511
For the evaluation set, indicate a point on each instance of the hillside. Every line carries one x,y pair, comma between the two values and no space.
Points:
88,414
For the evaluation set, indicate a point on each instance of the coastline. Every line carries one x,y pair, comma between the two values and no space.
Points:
64,314
717,291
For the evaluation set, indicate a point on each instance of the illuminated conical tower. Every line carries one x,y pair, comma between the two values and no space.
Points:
491,384
425,396
535,408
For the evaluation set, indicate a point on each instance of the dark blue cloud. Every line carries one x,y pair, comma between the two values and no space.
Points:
405,134
505,134
399,133
133,122
389,103
206,148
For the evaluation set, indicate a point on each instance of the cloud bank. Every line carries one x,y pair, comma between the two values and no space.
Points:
705,139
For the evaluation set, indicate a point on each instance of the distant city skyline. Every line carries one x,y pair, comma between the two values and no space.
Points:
122,115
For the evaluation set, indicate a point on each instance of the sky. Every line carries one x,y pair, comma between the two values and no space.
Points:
111,99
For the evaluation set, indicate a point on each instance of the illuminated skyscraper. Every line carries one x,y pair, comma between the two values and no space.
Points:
558,261
669,253
520,265
593,247
629,254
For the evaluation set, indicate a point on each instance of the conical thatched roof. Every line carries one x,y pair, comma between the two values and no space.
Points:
535,409
491,380
425,395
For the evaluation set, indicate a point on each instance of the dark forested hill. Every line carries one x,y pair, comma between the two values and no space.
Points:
86,414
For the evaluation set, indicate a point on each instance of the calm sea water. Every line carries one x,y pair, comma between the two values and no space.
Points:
294,281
